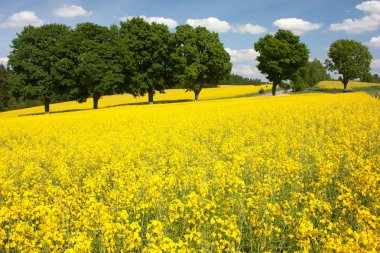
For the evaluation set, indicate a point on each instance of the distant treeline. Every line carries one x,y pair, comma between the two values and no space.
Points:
239,80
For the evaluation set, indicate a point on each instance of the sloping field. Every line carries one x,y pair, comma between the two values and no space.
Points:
170,96
291,173
337,85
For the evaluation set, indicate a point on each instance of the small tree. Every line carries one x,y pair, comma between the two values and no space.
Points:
34,56
200,59
4,88
315,72
280,56
368,78
349,58
148,46
310,75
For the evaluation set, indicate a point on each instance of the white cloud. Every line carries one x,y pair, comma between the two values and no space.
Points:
247,70
171,23
211,23
242,55
70,11
374,42
221,26
367,23
296,25
21,19
358,26
4,60
376,64
249,28
244,63
369,6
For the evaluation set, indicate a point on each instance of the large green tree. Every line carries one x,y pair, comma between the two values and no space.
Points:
4,88
350,59
280,56
90,66
149,47
33,60
199,58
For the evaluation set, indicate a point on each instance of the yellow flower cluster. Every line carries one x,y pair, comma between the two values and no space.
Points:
268,174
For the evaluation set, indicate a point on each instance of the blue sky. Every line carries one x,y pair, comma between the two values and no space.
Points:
240,23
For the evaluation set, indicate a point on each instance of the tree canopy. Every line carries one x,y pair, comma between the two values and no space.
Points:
34,59
199,58
98,71
309,75
149,46
350,59
4,88
280,56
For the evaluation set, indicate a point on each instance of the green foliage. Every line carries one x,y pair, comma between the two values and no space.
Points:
376,78
33,60
298,82
4,88
149,46
349,58
199,58
315,72
367,77
310,75
281,56
91,51
238,80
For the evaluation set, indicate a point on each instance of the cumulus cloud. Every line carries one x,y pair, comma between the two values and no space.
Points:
171,23
4,60
367,23
249,28
242,55
221,26
244,63
247,70
211,23
71,11
21,19
374,42
296,25
369,6
376,64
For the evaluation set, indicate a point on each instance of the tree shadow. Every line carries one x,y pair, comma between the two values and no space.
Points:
146,103
106,107
142,103
54,112
371,90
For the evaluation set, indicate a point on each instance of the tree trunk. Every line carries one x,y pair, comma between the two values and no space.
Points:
196,93
345,82
96,98
47,105
150,96
274,89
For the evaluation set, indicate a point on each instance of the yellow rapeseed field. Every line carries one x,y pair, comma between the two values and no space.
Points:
351,85
172,95
255,174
